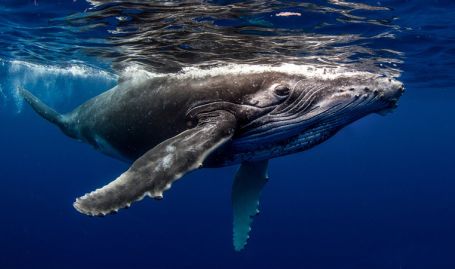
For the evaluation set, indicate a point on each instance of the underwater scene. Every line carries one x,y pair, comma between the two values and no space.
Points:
227,134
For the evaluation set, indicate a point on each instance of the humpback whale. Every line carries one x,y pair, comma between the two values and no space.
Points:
167,126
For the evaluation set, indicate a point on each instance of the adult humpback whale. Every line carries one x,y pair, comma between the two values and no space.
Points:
170,125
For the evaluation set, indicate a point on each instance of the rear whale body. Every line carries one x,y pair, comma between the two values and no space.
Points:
170,125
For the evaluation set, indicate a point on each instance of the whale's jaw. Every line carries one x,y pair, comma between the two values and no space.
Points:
310,120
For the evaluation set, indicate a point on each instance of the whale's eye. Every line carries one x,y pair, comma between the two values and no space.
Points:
282,90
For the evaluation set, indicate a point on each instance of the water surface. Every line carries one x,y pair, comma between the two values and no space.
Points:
380,194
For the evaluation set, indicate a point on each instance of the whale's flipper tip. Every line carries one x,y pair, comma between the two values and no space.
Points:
248,183
156,170
104,201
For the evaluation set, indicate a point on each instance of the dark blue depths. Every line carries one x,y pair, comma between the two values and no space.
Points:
380,194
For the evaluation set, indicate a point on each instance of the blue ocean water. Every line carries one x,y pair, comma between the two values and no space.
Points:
380,194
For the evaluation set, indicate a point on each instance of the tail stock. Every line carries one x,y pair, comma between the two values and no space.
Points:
46,112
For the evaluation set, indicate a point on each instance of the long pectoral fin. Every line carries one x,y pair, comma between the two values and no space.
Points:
249,181
155,171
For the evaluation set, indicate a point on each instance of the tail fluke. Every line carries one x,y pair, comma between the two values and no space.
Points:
45,111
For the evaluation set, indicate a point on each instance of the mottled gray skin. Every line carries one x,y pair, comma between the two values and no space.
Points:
170,126
130,119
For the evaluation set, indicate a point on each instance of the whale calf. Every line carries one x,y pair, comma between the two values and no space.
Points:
169,125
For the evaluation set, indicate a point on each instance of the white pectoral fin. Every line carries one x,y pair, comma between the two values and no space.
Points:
158,168
248,183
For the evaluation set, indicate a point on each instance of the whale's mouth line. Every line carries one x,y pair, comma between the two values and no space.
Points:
291,125
288,128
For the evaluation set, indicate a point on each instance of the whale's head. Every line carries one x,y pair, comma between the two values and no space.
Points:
344,99
304,111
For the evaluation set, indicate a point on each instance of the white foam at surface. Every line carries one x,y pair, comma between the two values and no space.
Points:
136,73
75,70
55,83
323,72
